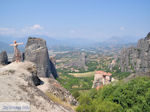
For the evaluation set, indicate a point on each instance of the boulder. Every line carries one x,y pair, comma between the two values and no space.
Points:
3,58
36,51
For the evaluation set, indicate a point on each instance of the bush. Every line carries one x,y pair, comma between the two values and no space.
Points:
108,106
76,94
85,99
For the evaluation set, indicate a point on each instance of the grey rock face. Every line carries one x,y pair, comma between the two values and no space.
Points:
136,59
56,89
3,58
36,51
79,62
102,78
34,78
98,81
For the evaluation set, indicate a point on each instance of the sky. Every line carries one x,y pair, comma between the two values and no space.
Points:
91,19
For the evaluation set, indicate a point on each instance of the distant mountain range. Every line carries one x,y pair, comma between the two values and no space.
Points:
56,43
122,40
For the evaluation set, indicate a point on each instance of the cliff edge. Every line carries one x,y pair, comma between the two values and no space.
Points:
17,83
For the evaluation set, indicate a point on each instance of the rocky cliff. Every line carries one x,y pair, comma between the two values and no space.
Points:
136,59
17,83
102,78
36,51
53,87
3,58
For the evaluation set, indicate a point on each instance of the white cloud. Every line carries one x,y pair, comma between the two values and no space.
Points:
30,30
122,28
7,31
36,26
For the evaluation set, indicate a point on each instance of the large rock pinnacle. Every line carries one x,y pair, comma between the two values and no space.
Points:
36,51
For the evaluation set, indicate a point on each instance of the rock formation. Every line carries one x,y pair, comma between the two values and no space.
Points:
101,78
79,62
56,89
136,59
83,61
53,87
52,58
36,51
112,64
17,85
3,58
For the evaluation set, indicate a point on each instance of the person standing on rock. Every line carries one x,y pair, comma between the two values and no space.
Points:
17,53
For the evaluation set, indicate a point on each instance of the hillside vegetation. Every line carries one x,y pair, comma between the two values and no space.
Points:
133,96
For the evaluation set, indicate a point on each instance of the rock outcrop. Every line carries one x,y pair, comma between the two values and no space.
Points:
36,51
3,58
102,78
17,85
136,59
53,87
79,62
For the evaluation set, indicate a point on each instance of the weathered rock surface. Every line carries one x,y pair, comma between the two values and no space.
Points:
98,81
3,58
102,78
17,85
136,59
79,62
53,87
36,51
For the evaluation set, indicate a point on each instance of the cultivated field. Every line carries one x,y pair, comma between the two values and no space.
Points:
86,74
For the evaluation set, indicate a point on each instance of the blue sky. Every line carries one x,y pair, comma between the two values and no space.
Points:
97,19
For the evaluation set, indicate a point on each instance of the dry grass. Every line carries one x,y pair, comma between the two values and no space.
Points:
86,74
59,101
